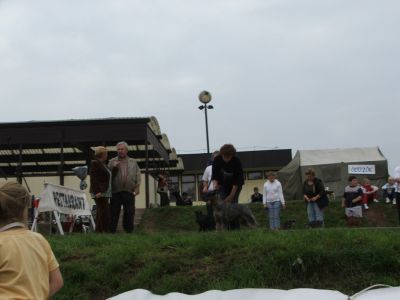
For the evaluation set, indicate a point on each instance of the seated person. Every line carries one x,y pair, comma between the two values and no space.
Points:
256,197
389,191
187,200
370,193
352,200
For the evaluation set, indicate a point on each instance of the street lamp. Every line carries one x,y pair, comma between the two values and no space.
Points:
205,98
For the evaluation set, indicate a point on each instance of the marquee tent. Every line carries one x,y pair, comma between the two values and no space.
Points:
333,166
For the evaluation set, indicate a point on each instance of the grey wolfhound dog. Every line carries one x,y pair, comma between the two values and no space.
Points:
225,213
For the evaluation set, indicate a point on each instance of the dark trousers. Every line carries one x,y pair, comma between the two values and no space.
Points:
234,224
391,195
164,200
102,215
127,200
398,204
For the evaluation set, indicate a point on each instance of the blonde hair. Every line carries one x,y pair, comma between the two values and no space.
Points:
99,151
310,171
14,200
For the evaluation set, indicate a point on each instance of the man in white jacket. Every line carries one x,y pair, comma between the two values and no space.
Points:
273,200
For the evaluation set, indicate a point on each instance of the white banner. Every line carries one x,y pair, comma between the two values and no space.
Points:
389,293
361,169
64,200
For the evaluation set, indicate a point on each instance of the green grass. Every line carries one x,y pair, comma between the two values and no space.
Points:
182,218
167,254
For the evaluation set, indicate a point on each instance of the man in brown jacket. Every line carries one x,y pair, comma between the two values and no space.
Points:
125,187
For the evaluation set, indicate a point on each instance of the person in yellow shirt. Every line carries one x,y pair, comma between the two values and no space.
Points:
28,267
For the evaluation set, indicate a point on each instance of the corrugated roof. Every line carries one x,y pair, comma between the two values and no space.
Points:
345,155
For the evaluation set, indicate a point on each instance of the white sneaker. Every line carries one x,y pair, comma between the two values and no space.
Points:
376,200
366,206
387,200
394,201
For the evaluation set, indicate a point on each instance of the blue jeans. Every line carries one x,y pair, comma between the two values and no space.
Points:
274,212
314,212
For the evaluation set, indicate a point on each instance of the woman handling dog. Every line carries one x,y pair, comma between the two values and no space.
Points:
28,268
227,177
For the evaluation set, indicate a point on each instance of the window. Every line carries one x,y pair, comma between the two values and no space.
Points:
189,186
173,183
255,175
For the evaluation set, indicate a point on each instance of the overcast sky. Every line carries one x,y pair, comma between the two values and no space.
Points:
298,74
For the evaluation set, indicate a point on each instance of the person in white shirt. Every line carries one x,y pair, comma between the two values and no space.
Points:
389,191
207,182
273,200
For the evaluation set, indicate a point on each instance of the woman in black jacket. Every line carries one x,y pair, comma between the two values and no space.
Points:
315,196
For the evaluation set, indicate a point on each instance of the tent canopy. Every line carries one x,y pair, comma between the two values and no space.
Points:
332,166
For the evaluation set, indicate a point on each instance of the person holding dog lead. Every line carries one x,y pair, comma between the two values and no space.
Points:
227,177
314,193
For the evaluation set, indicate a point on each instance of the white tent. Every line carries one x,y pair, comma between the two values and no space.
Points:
333,166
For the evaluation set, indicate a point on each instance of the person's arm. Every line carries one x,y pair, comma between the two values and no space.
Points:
94,172
304,193
56,282
343,202
138,180
214,173
321,189
264,196
280,192
359,197
205,186
231,196
205,180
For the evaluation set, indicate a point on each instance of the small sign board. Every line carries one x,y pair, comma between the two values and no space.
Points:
362,169
62,200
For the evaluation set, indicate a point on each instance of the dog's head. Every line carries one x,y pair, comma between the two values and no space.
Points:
214,197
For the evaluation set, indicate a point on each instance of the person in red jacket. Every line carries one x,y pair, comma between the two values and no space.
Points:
370,193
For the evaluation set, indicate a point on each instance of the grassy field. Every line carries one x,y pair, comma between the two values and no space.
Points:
167,254
182,218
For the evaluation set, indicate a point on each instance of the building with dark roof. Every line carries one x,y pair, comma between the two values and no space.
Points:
255,165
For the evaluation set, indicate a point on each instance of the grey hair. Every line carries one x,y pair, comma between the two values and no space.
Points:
125,144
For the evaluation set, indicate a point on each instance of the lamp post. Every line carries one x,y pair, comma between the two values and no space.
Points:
205,98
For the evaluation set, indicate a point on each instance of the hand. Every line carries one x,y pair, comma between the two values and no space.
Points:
136,192
228,199
343,205
98,195
284,206
205,189
265,205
